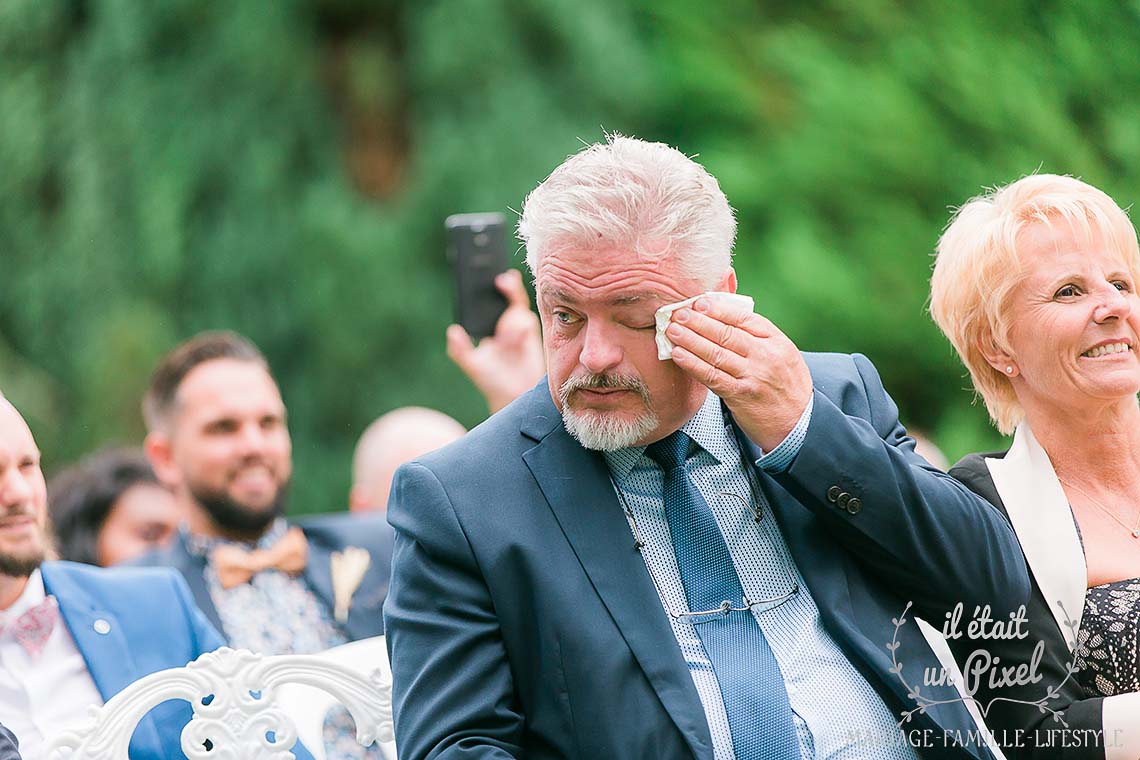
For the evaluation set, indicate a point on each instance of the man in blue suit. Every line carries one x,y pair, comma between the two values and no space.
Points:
703,556
73,636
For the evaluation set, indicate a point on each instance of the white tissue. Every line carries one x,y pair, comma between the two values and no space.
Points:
665,313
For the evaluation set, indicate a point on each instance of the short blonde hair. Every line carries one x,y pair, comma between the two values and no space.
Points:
979,265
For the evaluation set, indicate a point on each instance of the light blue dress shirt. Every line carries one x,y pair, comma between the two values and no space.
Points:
838,715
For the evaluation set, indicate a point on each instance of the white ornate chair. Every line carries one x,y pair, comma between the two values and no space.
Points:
246,690
308,706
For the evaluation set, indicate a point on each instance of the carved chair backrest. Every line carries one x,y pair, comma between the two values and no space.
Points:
235,699
308,706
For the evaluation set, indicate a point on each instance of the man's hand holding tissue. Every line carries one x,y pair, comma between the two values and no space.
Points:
747,361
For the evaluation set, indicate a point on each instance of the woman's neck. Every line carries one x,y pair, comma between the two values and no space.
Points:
1095,449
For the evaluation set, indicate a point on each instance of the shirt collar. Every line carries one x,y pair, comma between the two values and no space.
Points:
709,427
32,595
203,545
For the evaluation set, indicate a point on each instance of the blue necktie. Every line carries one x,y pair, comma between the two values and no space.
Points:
751,685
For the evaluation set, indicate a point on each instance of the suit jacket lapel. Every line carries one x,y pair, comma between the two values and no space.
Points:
1041,517
98,636
107,654
577,486
364,615
193,569
318,573
318,577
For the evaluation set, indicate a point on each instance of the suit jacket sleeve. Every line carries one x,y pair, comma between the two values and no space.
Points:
918,529
1005,717
452,685
9,749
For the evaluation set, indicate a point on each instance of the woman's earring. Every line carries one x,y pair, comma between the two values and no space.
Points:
1009,370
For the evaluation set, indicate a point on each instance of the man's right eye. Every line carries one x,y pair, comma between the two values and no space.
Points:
565,318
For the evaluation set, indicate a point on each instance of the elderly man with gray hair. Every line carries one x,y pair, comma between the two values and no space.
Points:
690,540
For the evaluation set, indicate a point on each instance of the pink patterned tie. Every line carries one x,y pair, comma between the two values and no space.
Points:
33,628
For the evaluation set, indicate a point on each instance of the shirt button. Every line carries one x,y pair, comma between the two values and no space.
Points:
102,627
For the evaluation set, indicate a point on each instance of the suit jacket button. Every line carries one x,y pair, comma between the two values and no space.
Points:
833,493
854,506
843,500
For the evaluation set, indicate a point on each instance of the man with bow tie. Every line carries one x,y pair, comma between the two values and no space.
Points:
217,437
73,636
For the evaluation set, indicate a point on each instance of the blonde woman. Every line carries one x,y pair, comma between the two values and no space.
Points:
1035,285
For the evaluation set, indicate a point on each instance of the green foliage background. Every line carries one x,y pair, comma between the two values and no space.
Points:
283,169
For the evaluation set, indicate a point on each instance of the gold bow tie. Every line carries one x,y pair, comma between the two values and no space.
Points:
236,566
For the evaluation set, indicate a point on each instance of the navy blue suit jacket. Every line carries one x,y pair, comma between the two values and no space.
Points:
326,534
150,623
522,622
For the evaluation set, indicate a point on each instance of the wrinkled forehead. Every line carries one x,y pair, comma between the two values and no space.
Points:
612,278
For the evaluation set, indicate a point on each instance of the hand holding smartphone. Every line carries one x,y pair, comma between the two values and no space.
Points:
493,308
477,249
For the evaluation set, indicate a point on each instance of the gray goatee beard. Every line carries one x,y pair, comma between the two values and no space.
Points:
606,431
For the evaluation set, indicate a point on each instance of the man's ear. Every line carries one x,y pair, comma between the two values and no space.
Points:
159,451
727,283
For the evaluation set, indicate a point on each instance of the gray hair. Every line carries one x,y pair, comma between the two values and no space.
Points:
632,195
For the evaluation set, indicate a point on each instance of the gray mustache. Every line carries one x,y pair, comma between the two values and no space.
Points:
607,382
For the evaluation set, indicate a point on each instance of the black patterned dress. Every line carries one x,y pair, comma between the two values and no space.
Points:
1108,643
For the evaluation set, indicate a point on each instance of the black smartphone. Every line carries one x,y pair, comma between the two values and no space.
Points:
477,249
